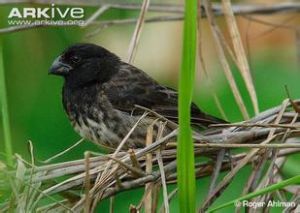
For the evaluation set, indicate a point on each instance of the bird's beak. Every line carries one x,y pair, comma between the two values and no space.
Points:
59,68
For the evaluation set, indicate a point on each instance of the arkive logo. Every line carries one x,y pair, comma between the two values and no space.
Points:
52,12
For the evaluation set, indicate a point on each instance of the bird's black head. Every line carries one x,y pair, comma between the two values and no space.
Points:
84,64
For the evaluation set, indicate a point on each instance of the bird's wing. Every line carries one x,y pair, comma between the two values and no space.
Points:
132,87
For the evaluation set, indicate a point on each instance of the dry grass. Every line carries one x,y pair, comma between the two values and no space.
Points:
82,184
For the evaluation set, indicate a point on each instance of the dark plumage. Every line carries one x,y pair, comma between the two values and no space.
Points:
100,93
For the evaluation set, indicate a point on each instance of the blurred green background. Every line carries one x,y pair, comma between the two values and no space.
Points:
34,97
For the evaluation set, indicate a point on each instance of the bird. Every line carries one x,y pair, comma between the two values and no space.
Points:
101,93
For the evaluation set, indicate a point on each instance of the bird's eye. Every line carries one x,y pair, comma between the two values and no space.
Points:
75,59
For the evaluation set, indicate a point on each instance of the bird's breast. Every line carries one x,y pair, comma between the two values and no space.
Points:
94,118
96,131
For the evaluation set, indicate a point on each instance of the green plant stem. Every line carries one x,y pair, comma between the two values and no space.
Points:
277,186
4,111
185,149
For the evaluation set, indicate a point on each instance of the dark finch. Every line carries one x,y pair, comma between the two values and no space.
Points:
100,93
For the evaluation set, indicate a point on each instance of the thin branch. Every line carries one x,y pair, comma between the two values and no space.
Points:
163,180
260,146
63,152
224,62
149,168
87,181
97,14
240,52
216,171
286,126
137,31
204,69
